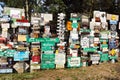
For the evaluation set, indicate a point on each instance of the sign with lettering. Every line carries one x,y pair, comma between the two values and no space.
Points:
89,49
21,56
73,62
8,70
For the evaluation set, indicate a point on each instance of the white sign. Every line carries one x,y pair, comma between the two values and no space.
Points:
85,42
22,24
15,14
5,25
95,57
74,61
5,32
35,20
60,59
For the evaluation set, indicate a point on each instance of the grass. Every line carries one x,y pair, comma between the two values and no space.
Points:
104,71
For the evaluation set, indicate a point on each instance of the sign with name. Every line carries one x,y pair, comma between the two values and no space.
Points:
73,62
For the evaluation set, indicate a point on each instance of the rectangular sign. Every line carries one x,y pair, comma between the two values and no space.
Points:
73,62
95,57
22,24
46,48
89,49
21,56
6,70
5,25
60,59
21,37
48,44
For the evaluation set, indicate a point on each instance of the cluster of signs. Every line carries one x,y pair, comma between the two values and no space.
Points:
87,41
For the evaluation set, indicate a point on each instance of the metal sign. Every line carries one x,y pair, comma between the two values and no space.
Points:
21,56
73,62
9,70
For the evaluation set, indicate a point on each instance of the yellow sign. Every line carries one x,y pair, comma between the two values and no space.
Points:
21,37
112,52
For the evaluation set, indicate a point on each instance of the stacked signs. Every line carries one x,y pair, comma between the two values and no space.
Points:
113,38
99,26
72,56
6,61
60,52
35,45
86,40
22,57
48,53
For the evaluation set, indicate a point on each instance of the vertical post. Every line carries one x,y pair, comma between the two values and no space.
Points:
26,9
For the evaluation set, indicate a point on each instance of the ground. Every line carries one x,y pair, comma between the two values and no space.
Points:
103,71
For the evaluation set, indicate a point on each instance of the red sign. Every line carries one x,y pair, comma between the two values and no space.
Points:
35,58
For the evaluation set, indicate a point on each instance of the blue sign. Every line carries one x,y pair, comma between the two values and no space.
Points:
6,70
113,22
21,56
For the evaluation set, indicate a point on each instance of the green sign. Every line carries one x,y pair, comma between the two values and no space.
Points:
85,30
103,40
46,48
74,25
89,49
104,57
56,40
73,62
47,44
74,22
48,56
104,45
35,40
